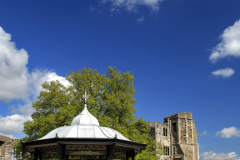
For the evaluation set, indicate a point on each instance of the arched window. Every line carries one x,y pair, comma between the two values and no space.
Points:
166,151
165,131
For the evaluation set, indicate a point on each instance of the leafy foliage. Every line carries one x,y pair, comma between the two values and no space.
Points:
110,100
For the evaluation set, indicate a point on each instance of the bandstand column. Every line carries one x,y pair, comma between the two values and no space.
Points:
40,156
63,148
127,157
36,153
109,152
132,154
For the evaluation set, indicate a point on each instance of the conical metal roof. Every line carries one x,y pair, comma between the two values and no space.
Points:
85,118
85,125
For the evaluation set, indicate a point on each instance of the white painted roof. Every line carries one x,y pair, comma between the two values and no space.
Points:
85,125
85,118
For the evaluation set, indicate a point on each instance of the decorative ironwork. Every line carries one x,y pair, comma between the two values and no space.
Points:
70,148
55,149
85,96
30,150
104,150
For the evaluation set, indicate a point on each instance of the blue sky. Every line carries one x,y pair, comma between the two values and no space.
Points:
184,55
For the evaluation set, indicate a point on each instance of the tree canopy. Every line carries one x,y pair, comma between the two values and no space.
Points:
110,100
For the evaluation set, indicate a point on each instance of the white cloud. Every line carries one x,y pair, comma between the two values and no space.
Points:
229,132
225,73
16,82
204,133
140,19
230,44
13,71
220,156
37,77
131,5
25,109
12,124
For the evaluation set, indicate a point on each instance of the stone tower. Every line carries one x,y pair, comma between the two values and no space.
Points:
6,145
178,137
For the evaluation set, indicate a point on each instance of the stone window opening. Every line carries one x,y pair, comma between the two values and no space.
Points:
166,151
165,131
174,127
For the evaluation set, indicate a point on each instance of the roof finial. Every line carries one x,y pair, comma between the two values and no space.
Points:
85,96
56,136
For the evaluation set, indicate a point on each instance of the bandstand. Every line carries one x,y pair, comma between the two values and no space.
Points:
85,137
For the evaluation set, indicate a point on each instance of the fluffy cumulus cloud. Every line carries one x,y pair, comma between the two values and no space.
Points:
230,44
229,132
38,77
12,124
16,82
225,73
131,5
220,156
15,79
13,71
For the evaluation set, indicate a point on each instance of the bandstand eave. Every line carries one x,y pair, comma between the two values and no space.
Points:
89,141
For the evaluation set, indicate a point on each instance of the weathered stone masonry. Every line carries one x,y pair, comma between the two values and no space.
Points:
6,145
178,137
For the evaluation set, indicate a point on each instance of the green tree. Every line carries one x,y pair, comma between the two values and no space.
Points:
110,100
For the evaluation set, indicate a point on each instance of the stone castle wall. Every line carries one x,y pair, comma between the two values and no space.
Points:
6,145
178,136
